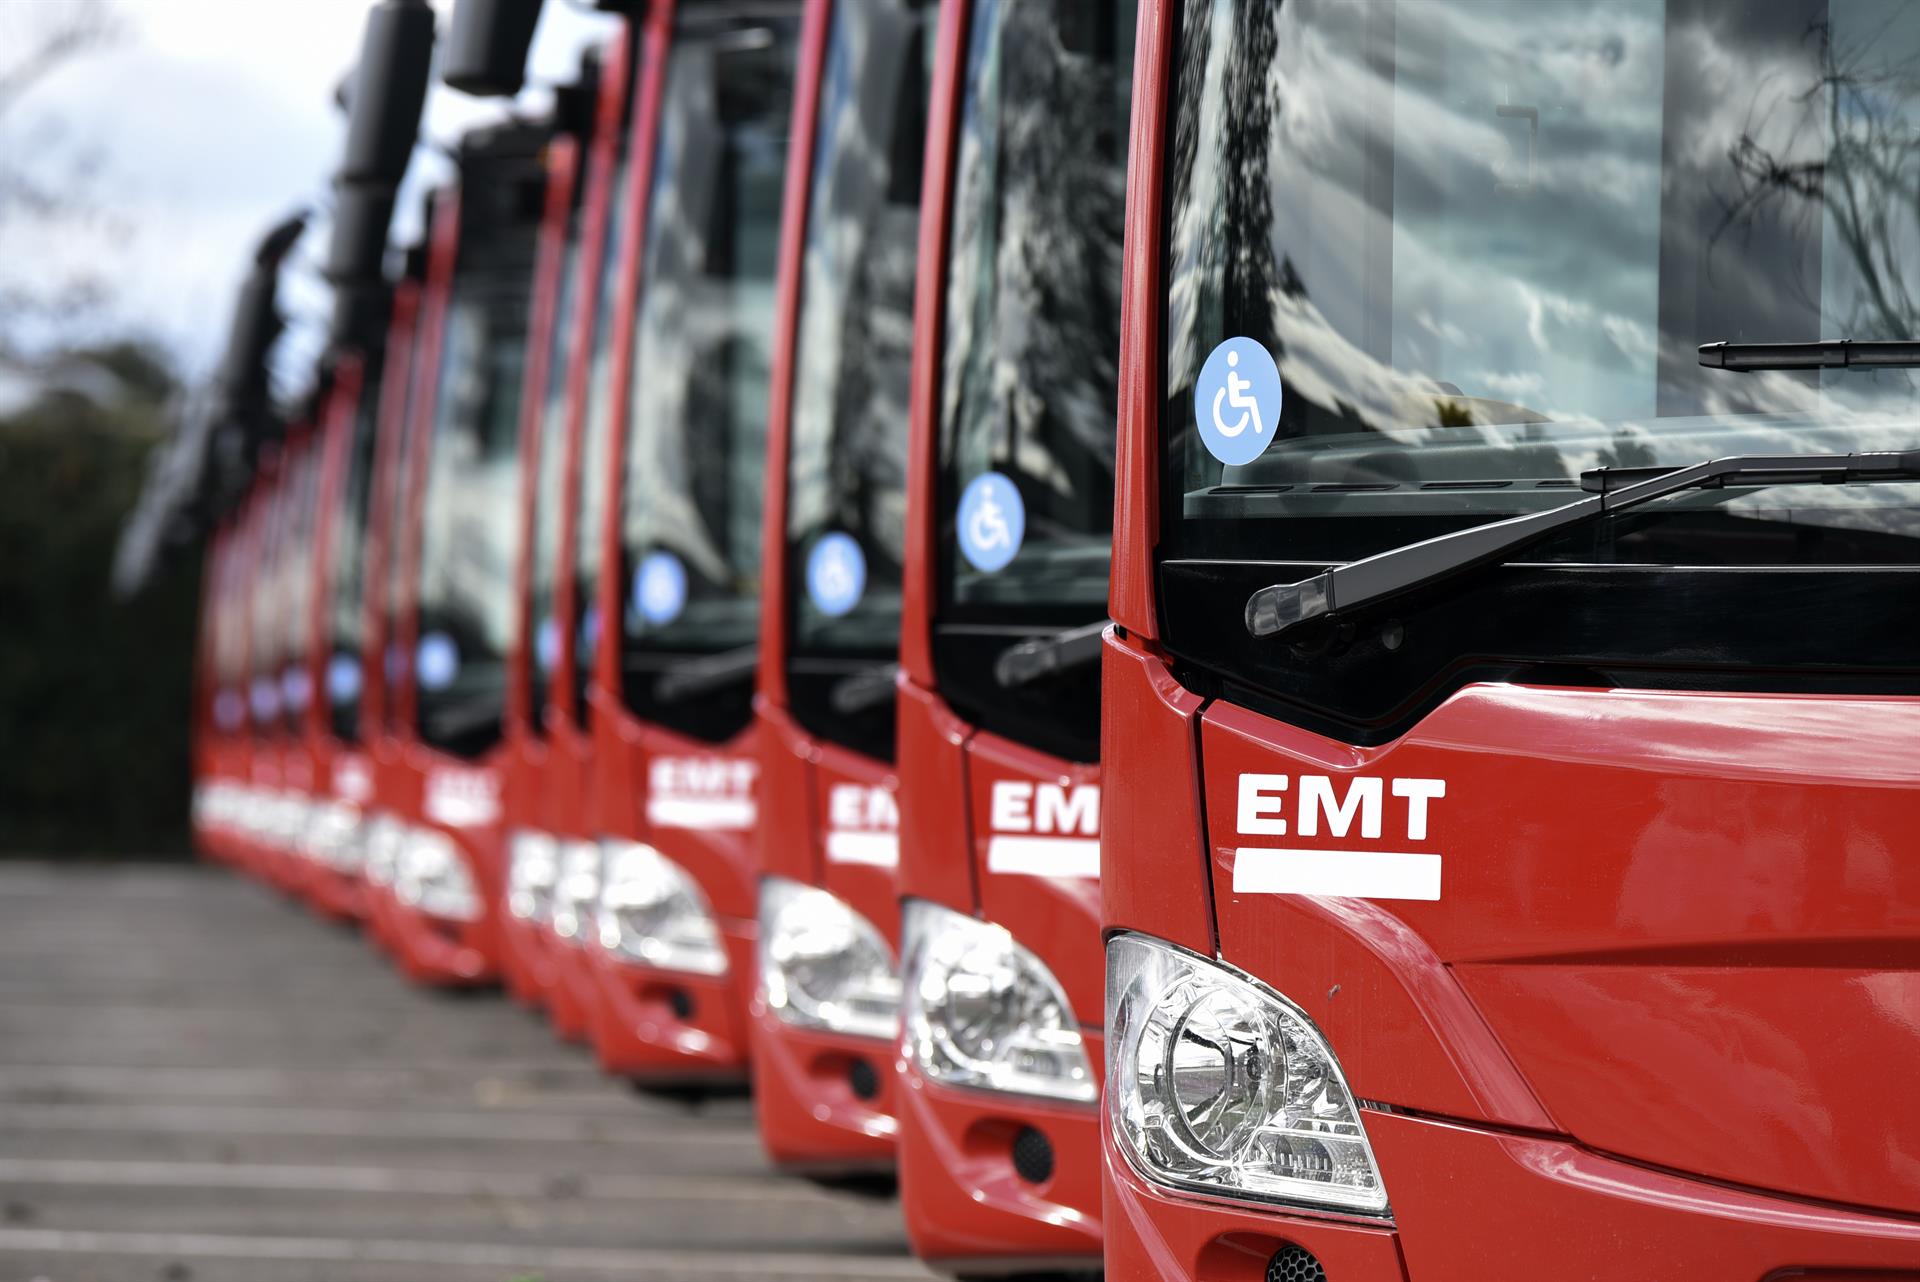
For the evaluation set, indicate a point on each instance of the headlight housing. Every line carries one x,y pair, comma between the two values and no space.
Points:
652,912
982,1011
823,965
1217,1083
576,891
385,836
533,866
334,835
432,877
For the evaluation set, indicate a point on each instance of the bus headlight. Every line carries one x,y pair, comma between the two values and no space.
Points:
982,1011
575,890
1217,1083
652,912
334,835
823,965
385,836
533,865
432,877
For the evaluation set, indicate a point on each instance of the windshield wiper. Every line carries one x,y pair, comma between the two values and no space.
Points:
1273,610
1839,353
1037,657
865,689
708,672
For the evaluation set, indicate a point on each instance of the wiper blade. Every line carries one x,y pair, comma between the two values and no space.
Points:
1037,657
709,672
1839,353
863,690
1273,610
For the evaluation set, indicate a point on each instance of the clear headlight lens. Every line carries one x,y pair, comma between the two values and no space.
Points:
576,891
652,912
533,866
823,965
289,821
1217,1083
384,839
982,1011
432,877
334,835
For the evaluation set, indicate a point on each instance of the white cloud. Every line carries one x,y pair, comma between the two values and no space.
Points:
214,119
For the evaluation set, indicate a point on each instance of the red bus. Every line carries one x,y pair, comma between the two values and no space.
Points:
331,846
826,1008
556,875
531,822
1507,707
456,566
674,751
1010,511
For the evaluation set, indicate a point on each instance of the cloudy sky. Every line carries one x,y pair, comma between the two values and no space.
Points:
212,119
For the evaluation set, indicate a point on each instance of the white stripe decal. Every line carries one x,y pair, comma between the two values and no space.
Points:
701,812
1353,874
1045,856
880,849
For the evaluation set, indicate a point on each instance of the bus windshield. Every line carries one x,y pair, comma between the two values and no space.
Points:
297,575
846,483
550,486
1429,261
596,433
696,444
1032,325
346,608
404,354
265,599
468,533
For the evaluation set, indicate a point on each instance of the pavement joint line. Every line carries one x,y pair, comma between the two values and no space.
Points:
279,1177
722,1262
409,1124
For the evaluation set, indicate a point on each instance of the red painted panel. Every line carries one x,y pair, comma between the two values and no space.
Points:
1153,857
1028,810
936,860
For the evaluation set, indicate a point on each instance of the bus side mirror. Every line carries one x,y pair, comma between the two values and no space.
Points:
487,48
388,91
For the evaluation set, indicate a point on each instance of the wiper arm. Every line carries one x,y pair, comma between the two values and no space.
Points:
1273,610
1037,657
865,689
709,672
1839,353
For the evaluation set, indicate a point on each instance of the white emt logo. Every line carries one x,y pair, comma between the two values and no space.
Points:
1340,806
1044,829
863,826
704,793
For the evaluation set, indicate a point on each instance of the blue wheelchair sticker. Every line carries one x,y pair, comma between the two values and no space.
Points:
660,588
437,661
1236,403
992,521
546,644
343,678
836,574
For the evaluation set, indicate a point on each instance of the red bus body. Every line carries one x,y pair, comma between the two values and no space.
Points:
414,789
1607,1048
556,951
327,876
525,967
968,1206
650,1023
826,1099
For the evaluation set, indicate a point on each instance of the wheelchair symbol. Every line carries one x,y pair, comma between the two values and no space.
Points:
1237,401
836,574
1234,392
992,522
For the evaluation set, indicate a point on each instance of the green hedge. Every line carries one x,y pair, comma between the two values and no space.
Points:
93,692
